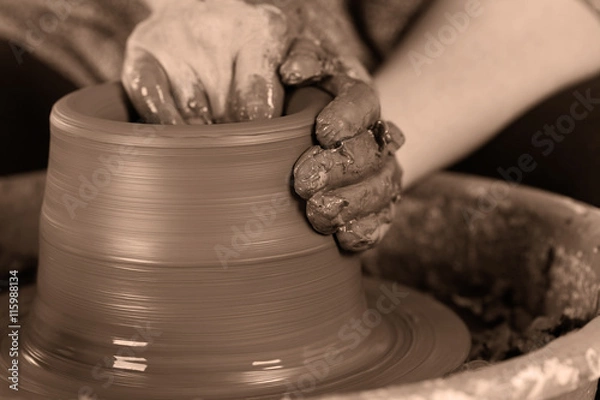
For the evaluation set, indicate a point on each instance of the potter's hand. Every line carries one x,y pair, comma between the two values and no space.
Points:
351,181
352,188
207,61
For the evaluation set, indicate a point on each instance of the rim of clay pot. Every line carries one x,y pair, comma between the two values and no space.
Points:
90,111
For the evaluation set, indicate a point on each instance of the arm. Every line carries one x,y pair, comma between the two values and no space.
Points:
83,40
511,55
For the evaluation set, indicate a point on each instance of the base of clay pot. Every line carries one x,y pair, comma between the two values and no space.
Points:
422,339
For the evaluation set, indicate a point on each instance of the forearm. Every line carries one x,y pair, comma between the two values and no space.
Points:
511,55
84,41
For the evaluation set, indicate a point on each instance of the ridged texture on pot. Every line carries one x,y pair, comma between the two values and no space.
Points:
181,255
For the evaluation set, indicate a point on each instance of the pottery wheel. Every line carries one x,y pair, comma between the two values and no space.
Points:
424,340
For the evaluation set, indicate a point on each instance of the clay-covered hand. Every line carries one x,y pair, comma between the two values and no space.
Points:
207,61
352,180
353,187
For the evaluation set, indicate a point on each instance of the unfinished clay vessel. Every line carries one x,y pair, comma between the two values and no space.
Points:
176,262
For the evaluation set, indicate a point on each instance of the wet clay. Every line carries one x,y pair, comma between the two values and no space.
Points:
352,189
354,159
176,262
521,274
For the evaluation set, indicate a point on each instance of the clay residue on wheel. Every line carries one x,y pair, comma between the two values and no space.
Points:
508,270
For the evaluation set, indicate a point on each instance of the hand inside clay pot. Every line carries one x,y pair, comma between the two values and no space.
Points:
211,61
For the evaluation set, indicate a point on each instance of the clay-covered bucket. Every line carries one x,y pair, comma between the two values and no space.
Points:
522,266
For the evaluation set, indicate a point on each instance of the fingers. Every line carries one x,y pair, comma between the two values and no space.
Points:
356,104
388,136
188,92
149,89
355,107
362,234
352,161
192,102
257,92
328,211
306,62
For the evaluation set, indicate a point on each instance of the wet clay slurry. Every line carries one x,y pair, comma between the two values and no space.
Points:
175,262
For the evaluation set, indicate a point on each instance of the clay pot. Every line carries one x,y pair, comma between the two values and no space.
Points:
136,213
176,262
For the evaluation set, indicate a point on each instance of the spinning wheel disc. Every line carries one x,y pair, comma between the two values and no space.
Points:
418,337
